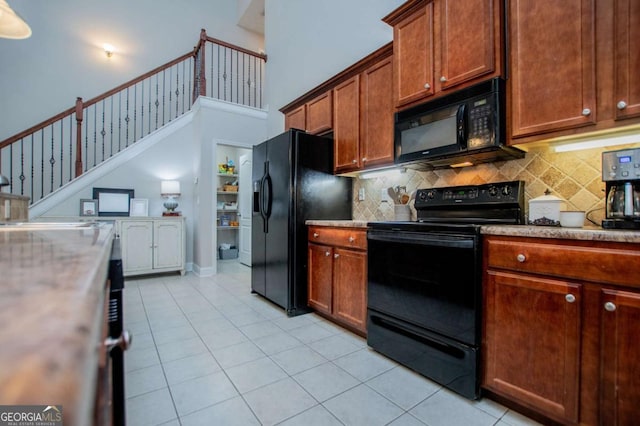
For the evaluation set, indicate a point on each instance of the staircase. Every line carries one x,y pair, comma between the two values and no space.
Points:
53,155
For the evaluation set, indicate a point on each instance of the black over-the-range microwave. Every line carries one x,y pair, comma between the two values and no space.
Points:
465,127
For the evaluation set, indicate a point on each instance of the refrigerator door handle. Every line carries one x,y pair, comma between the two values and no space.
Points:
269,197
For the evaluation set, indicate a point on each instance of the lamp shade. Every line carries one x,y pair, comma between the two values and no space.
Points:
11,24
170,187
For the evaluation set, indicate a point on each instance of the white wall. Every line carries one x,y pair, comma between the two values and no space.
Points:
187,155
309,41
63,59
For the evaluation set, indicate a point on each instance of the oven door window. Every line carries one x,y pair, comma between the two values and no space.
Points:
426,279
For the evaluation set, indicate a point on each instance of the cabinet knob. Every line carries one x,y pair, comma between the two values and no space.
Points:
521,258
427,86
443,79
335,256
351,239
354,161
316,235
364,159
586,112
570,298
124,341
327,253
621,105
610,306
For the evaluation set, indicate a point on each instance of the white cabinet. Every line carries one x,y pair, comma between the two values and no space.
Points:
152,245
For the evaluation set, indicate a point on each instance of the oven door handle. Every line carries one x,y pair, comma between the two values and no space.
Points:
424,239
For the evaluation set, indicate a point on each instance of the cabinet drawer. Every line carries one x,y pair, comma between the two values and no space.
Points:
341,237
615,263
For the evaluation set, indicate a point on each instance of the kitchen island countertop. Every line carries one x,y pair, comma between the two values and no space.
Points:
52,298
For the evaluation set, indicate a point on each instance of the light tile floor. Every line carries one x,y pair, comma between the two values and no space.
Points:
208,352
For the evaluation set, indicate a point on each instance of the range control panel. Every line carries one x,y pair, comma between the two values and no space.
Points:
621,165
473,195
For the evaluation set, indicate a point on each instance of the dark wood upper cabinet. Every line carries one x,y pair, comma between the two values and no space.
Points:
553,70
346,122
627,59
444,44
376,114
296,118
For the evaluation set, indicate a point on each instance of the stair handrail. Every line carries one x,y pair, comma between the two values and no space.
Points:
81,109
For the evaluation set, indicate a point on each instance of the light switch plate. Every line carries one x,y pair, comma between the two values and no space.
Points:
384,196
7,209
361,194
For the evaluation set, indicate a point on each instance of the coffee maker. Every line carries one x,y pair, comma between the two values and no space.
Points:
621,173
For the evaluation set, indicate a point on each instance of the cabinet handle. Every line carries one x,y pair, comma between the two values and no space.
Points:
427,86
521,258
443,79
610,306
621,105
124,341
570,298
327,253
316,235
351,239
335,256
586,112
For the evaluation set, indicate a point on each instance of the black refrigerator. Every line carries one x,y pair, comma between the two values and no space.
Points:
292,182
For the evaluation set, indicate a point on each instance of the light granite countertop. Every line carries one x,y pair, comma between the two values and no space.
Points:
339,223
587,233
52,296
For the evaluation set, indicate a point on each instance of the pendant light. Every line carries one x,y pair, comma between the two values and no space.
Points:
11,24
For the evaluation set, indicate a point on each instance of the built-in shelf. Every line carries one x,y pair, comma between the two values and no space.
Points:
227,211
227,175
228,192
228,227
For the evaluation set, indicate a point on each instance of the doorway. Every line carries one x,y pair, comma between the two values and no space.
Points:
233,204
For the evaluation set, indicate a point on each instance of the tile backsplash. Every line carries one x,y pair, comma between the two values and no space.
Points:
573,176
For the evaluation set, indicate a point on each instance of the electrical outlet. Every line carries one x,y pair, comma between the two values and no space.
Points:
384,196
361,194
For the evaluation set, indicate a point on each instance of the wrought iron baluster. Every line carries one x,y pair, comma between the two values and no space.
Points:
135,111
71,119
177,91
22,177
95,134
164,88
103,132
61,152
157,103
42,163
52,160
142,134
127,119
111,130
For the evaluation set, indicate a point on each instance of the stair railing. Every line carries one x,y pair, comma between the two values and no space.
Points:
43,158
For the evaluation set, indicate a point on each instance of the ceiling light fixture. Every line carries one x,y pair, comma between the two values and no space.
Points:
11,24
108,49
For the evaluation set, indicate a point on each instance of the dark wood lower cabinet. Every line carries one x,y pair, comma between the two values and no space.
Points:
533,342
620,354
563,342
337,275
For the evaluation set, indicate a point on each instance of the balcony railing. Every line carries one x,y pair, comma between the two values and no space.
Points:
49,155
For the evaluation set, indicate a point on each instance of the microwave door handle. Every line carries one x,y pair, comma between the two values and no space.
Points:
461,120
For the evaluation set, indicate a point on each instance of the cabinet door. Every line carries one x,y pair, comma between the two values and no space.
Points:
346,125
620,354
552,65
627,59
376,138
532,342
137,245
469,40
167,244
296,119
320,114
320,276
350,287
413,56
